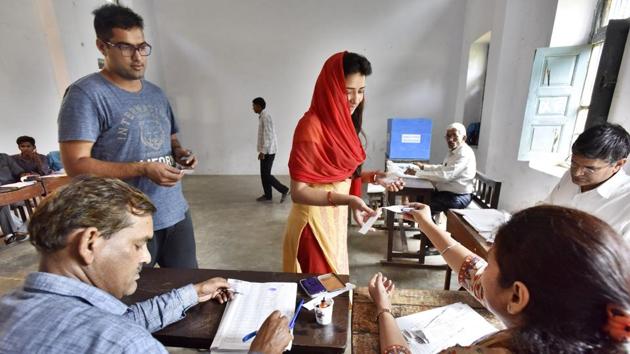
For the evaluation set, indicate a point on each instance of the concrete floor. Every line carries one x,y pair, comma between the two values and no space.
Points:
233,231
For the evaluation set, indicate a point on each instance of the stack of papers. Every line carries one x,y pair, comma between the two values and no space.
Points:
18,185
248,310
485,221
434,330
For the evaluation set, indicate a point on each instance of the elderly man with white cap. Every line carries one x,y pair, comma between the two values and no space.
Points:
453,179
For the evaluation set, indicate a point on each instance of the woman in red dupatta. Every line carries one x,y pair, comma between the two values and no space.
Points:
325,156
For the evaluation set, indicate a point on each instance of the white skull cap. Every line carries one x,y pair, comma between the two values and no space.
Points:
461,130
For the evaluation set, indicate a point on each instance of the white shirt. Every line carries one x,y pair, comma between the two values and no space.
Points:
609,202
457,172
267,141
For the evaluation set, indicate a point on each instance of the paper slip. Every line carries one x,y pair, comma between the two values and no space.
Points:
370,222
317,299
395,208
248,310
443,327
19,184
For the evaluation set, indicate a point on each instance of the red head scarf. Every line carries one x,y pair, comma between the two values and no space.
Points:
326,148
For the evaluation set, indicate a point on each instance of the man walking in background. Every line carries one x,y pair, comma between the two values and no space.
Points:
267,147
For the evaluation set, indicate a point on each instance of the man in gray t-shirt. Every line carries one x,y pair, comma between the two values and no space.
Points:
116,124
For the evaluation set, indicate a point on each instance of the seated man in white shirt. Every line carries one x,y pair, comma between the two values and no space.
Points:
596,182
453,179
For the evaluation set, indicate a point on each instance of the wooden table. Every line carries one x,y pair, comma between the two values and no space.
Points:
465,234
52,182
415,189
405,302
34,190
200,325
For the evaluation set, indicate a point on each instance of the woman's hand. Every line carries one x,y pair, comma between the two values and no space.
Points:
391,184
357,204
381,289
421,213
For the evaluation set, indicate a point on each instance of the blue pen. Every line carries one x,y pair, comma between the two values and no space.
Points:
295,315
291,324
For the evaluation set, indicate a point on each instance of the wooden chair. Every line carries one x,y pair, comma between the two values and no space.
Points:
485,195
486,191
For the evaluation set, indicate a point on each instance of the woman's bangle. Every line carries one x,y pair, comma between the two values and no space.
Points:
330,201
382,311
442,252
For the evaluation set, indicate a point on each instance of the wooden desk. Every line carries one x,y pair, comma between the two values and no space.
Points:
52,182
415,189
200,325
465,234
25,193
405,302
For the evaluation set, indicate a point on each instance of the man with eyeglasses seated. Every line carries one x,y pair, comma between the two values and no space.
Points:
114,123
596,182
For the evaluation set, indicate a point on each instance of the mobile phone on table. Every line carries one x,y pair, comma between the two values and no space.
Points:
314,286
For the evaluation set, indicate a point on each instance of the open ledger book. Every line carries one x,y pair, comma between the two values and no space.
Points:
248,310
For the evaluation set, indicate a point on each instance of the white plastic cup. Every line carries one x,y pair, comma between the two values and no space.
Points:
323,314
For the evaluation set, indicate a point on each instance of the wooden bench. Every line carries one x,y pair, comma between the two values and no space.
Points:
485,195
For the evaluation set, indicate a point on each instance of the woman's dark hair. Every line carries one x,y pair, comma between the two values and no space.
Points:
260,101
573,265
112,16
355,63
25,139
608,142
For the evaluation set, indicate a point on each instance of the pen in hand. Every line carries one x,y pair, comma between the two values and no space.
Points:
291,324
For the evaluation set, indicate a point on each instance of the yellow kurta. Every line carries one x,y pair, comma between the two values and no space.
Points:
329,225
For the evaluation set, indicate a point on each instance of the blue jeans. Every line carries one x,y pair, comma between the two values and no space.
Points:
174,246
443,201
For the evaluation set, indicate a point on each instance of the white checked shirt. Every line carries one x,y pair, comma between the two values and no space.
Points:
267,141
609,202
456,174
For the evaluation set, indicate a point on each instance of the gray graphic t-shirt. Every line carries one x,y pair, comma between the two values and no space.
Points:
126,127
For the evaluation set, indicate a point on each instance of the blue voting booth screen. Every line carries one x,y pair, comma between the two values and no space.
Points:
409,138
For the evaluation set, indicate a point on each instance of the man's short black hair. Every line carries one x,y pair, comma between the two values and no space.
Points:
25,139
609,142
112,16
260,101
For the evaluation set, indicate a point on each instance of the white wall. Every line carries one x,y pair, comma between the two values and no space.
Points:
478,20
217,56
518,28
573,22
46,45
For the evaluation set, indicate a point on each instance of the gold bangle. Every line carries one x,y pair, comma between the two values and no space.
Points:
330,201
378,315
442,252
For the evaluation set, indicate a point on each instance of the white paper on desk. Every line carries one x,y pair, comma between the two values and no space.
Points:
247,312
485,221
445,327
19,184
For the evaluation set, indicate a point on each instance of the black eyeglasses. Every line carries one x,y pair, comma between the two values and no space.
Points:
127,50
588,170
